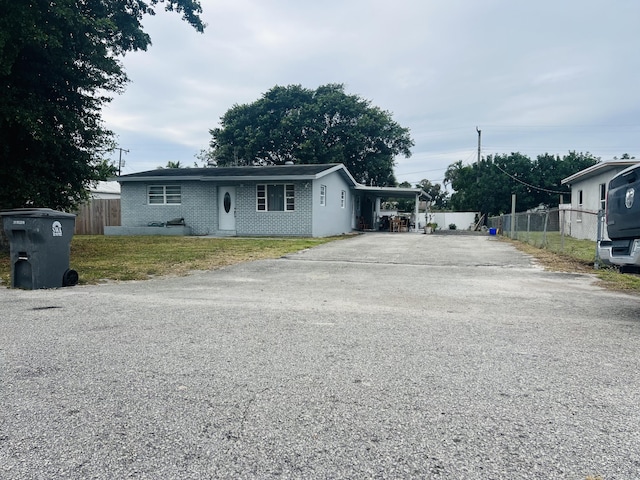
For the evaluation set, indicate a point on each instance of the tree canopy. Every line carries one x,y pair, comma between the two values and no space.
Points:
59,64
439,196
306,126
486,186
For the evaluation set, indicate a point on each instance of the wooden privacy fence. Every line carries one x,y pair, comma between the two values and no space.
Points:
93,216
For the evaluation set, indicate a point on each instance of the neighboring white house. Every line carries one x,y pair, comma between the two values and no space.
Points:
588,196
105,190
100,211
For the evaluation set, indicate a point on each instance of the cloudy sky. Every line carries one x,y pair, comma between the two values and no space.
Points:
544,76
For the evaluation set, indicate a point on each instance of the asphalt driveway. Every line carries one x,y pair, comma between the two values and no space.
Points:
380,356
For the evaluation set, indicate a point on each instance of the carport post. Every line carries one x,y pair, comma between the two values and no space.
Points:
415,213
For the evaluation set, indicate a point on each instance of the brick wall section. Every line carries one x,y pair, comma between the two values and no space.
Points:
201,206
249,221
198,208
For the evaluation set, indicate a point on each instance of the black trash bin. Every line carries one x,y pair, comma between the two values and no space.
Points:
40,243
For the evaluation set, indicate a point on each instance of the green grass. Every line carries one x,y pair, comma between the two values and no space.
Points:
583,250
103,258
575,255
626,282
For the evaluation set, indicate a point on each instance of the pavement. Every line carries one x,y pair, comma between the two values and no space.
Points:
378,356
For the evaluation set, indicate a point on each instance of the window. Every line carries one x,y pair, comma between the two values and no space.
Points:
275,198
164,194
323,195
343,199
603,196
579,212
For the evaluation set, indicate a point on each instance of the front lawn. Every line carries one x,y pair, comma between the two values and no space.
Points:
102,258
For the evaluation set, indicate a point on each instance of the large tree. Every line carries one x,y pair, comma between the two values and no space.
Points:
59,65
325,125
487,185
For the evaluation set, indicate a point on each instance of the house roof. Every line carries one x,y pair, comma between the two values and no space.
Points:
597,169
106,187
268,173
272,172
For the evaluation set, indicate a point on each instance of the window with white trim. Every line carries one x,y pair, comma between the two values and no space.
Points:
603,196
278,197
164,194
323,195
343,199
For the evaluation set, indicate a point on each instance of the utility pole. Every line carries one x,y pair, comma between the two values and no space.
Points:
120,162
479,142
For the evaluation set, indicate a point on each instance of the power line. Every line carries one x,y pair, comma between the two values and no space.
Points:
540,189
422,171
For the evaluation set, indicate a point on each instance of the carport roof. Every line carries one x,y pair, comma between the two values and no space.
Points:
395,192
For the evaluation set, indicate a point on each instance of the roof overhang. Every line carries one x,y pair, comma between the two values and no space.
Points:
396,192
260,174
221,178
597,169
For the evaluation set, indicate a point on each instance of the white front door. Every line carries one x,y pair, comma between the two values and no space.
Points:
227,208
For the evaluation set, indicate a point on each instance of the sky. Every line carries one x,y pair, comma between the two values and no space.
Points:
536,77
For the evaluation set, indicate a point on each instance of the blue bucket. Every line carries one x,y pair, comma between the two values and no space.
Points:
492,231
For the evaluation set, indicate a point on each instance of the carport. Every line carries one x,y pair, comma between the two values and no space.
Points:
370,198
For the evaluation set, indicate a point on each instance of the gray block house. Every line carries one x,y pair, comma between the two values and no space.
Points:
282,200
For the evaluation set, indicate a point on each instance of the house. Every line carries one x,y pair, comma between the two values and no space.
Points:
589,196
101,210
283,200
105,190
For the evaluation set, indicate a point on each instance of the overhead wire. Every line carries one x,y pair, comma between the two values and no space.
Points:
540,189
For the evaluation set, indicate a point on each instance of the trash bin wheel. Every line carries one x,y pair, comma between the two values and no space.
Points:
70,278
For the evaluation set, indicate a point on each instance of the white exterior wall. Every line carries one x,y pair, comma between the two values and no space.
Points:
332,218
590,191
584,224
462,220
582,221
106,190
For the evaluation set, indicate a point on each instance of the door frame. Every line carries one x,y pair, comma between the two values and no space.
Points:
227,220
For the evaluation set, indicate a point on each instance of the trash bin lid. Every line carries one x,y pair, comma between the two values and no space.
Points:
36,213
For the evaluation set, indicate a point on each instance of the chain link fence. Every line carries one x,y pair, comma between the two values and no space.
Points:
561,230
